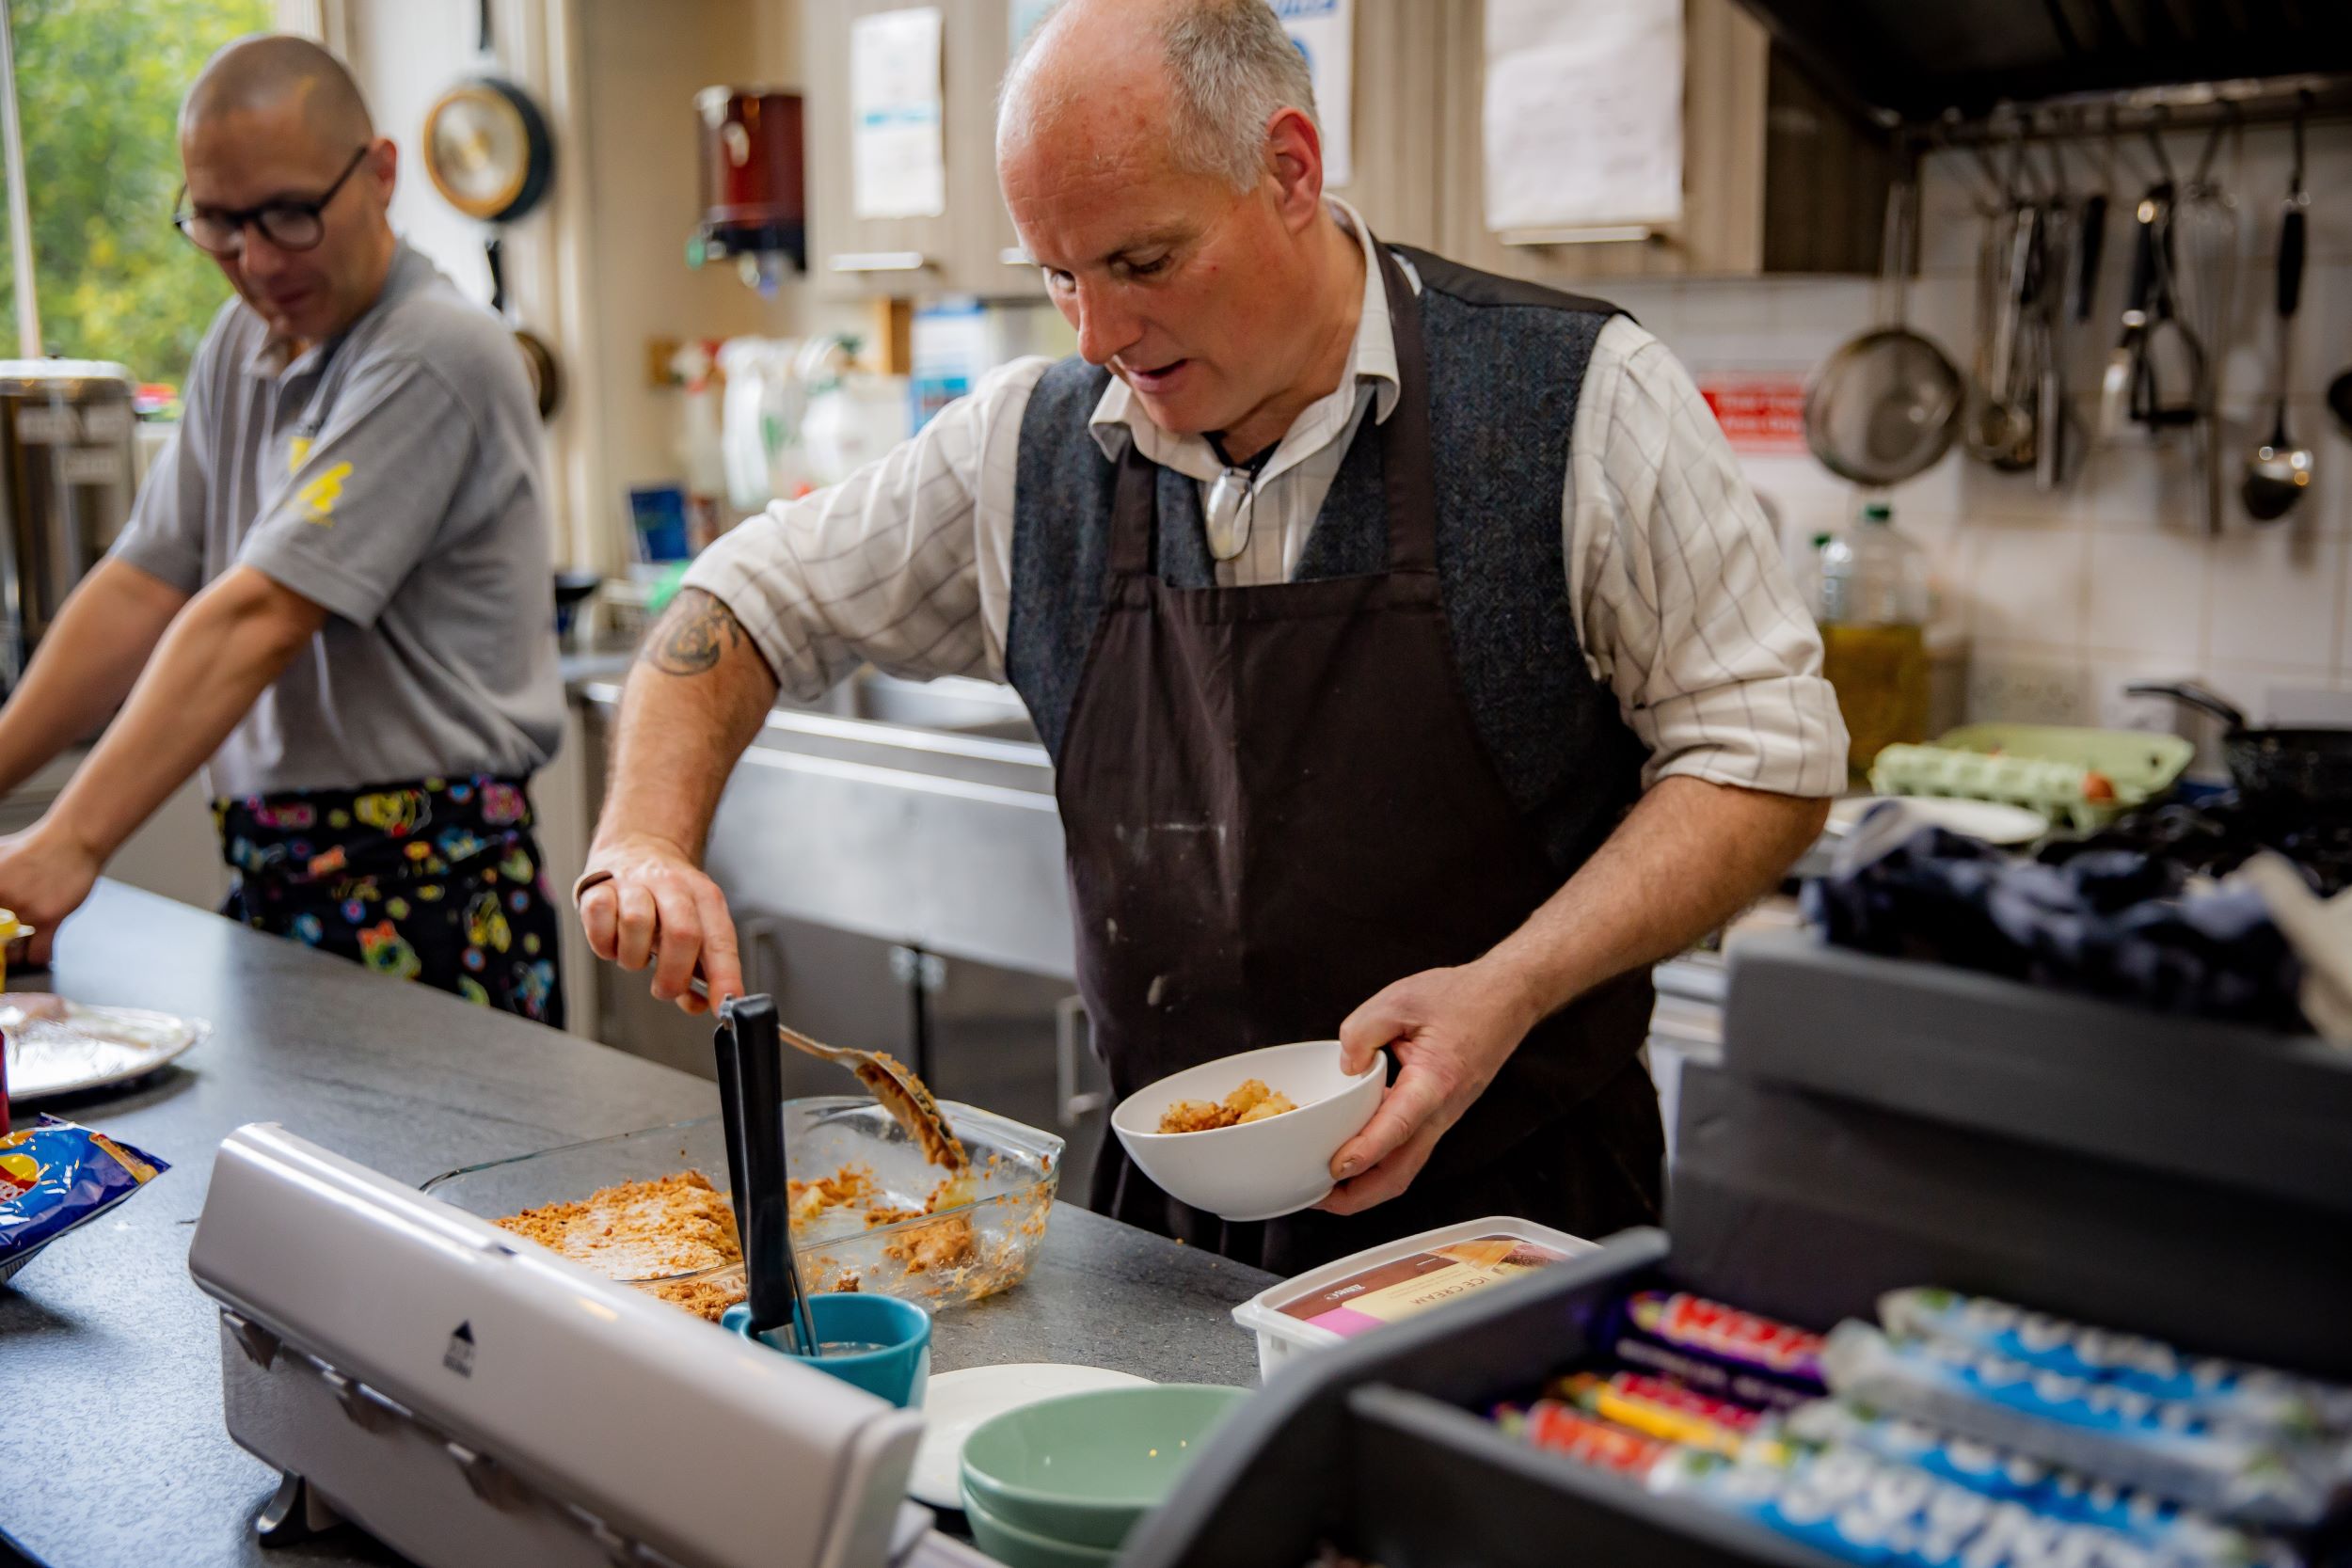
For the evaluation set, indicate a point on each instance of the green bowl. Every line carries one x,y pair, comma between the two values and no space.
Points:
1083,1467
1019,1548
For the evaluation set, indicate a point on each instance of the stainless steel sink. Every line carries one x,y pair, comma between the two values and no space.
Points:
917,813
952,704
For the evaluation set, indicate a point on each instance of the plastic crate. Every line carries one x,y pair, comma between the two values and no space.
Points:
1377,1447
1875,1124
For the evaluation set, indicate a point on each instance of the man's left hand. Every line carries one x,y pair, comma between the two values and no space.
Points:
1451,1030
43,877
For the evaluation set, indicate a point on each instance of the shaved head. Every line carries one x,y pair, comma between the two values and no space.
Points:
278,70
274,123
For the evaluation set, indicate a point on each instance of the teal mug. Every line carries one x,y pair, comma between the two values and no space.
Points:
895,1368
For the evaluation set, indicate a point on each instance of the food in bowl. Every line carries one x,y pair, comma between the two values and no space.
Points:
937,1241
650,1231
1253,1101
1261,1170
673,1224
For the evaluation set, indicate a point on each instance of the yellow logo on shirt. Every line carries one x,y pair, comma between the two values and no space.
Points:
319,496
297,448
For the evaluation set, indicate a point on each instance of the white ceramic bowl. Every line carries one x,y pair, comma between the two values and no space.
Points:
1257,1170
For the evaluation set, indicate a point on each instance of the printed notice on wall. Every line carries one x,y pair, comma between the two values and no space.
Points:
897,163
1325,32
1759,412
1584,113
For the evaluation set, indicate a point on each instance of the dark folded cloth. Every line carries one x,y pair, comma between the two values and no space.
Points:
2112,922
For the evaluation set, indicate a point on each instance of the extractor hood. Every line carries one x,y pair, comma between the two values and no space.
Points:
1914,60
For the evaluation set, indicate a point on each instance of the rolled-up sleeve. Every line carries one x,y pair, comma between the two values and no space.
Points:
888,566
1687,606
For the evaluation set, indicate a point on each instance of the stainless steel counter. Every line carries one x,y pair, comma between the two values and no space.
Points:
913,812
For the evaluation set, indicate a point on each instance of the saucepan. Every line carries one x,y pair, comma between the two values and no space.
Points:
2290,769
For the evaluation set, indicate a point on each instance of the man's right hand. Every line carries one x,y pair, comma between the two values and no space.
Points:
643,900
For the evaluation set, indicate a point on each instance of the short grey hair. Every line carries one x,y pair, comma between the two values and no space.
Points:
1234,69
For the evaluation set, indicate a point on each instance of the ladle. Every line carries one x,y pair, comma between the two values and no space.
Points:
2278,471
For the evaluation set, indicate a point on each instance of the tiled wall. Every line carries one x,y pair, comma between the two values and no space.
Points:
2066,596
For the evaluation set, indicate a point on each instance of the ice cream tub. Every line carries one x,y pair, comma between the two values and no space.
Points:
1399,1279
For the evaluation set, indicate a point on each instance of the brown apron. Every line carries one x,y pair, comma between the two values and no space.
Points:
1277,803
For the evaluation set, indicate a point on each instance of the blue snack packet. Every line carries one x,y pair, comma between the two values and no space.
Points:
54,1176
2049,1489
2116,1433
2232,1391
1858,1508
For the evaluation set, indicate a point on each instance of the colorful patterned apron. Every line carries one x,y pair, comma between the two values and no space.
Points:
438,880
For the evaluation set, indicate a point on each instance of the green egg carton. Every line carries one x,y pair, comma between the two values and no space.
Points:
2044,768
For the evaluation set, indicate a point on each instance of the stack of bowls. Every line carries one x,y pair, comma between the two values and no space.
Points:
1058,1484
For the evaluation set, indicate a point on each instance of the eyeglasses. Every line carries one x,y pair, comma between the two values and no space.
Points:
289,224
1233,500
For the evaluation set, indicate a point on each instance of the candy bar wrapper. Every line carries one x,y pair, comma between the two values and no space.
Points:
2114,1433
1662,1409
1716,1348
2230,1391
2049,1490
1551,1424
1858,1508
54,1176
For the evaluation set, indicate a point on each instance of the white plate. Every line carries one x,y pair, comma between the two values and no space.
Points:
1989,820
954,1404
94,1048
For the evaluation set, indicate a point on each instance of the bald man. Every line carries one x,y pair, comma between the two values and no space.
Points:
334,593
1416,667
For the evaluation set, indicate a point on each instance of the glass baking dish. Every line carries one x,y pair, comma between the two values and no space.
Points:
961,1251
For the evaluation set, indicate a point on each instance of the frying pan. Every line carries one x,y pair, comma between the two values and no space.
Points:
2307,770
547,378
1886,406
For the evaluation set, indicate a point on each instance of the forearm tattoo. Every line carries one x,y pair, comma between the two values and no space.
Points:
693,635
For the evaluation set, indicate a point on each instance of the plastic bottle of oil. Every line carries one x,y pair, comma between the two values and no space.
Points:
1873,603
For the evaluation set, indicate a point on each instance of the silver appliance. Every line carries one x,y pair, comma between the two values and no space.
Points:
68,435
472,1400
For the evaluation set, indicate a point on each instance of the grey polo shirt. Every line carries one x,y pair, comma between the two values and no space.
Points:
396,477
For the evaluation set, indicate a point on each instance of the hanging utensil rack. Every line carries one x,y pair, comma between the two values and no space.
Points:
2045,239
2136,111
1908,62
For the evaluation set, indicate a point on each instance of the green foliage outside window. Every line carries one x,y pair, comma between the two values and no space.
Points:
99,84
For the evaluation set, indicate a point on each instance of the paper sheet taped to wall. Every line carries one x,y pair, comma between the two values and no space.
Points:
1584,113
897,163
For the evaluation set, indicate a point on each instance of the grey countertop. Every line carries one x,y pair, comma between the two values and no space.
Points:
109,1365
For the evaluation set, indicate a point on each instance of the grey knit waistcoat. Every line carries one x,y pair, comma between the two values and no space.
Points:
1507,360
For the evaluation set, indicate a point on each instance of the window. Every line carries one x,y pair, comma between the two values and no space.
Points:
99,84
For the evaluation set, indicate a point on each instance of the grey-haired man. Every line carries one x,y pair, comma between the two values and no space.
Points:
1415,664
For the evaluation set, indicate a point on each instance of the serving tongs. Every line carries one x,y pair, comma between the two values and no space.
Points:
751,1100
901,1092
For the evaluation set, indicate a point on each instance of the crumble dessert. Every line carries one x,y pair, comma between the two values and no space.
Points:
1251,1101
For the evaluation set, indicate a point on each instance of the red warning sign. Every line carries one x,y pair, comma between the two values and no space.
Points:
1759,413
